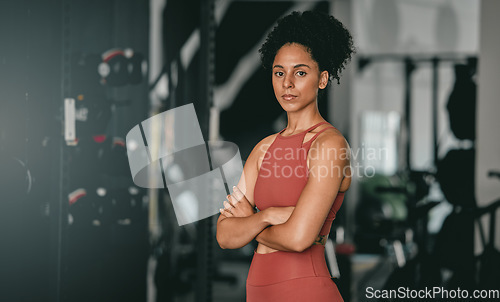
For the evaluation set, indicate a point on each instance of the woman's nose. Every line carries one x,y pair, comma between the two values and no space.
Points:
288,82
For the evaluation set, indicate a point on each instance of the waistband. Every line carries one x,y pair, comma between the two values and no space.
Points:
279,266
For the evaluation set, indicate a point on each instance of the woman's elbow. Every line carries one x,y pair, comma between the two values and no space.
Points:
225,241
222,246
299,248
301,244
226,244
220,240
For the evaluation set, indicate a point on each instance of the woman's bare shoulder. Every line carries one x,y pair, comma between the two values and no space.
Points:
332,140
268,140
262,146
331,147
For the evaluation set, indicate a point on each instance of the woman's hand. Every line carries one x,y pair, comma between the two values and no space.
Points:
278,215
237,205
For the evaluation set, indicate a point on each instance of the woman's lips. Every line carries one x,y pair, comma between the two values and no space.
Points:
288,97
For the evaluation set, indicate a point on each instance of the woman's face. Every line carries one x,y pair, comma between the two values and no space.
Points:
296,78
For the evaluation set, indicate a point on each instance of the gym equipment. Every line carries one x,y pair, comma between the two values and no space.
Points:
489,260
122,67
455,173
423,268
462,102
380,215
15,178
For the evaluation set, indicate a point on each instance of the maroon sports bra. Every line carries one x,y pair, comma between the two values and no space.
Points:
283,174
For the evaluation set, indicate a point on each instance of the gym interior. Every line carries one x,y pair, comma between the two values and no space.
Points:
418,104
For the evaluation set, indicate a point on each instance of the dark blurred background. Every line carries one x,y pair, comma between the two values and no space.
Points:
418,105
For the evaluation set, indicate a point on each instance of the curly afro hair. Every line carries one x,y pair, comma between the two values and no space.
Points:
328,41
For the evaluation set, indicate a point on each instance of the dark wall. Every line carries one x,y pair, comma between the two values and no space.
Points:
30,81
49,50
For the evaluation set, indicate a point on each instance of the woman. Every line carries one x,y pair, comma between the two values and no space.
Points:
297,177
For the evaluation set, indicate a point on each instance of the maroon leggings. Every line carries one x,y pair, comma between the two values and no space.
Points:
291,276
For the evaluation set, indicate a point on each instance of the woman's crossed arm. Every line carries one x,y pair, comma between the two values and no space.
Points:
327,171
241,224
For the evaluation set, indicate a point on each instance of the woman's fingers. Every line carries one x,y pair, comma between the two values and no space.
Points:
235,207
226,213
238,195
227,206
231,200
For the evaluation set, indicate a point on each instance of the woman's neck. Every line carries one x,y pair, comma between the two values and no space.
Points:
303,119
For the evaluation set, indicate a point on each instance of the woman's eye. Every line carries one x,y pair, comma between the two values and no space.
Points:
278,73
301,73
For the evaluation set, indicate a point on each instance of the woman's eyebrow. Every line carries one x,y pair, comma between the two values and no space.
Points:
301,65
296,66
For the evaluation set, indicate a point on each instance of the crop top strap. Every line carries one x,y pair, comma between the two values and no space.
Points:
315,126
319,132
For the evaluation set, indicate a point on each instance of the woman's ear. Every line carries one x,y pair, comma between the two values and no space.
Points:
323,79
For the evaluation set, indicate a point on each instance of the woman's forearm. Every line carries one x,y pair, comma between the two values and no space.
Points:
236,232
281,237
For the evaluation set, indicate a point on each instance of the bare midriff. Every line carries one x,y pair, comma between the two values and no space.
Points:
264,249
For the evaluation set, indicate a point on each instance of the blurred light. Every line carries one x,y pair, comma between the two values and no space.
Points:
133,190
101,191
132,145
